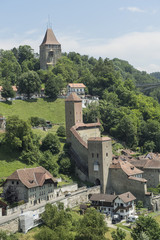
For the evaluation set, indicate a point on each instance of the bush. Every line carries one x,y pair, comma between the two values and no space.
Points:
36,122
61,132
51,142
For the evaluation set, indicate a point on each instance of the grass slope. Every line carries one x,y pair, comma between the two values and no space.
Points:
52,111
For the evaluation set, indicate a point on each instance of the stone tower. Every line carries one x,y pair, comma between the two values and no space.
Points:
73,113
50,50
99,160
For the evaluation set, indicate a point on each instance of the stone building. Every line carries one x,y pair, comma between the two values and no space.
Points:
50,50
93,156
31,185
92,153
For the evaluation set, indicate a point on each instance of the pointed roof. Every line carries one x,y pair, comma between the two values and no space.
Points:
50,38
73,97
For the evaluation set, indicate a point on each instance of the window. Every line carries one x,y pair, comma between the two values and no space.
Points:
12,182
97,155
106,154
92,155
17,182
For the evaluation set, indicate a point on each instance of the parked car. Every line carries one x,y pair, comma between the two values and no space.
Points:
116,218
132,218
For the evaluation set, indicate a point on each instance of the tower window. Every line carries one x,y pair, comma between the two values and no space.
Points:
92,155
97,155
106,154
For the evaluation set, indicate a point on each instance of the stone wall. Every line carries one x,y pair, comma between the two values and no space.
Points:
120,184
80,150
11,223
152,176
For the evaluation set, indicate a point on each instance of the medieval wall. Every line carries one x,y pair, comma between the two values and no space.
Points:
80,149
152,176
120,183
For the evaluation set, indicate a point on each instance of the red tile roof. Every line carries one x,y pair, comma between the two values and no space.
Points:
103,197
127,197
32,177
73,97
76,85
137,179
49,38
100,139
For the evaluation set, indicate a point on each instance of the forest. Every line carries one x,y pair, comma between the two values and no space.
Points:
126,114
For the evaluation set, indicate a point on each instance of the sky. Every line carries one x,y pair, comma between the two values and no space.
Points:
124,29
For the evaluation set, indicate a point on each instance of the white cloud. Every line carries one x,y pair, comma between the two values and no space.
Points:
141,49
132,9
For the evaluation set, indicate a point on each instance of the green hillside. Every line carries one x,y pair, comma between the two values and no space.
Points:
52,111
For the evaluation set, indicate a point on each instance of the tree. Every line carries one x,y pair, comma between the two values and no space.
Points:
7,90
147,225
25,52
92,226
65,164
139,204
118,234
61,132
19,135
51,142
49,162
29,83
51,88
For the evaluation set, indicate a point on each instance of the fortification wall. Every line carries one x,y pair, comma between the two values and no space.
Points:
11,223
152,176
80,148
120,184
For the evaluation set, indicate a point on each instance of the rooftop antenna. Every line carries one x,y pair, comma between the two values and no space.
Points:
49,25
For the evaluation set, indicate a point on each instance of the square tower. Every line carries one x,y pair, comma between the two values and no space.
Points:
50,50
99,160
73,113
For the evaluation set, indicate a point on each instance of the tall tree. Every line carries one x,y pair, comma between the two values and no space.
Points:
147,225
7,90
92,226
29,83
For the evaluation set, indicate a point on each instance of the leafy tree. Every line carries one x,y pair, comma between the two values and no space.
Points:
9,67
29,83
139,204
54,218
48,161
118,234
92,226
19,135
51,142
7,90
5,236
51,88
147,225
25,52
31,156
61,132
65,164
36,122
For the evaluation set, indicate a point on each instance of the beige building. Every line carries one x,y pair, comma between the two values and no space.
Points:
31,185
50,50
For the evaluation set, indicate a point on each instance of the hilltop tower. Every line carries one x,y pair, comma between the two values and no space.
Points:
73,113
50,50
99,160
